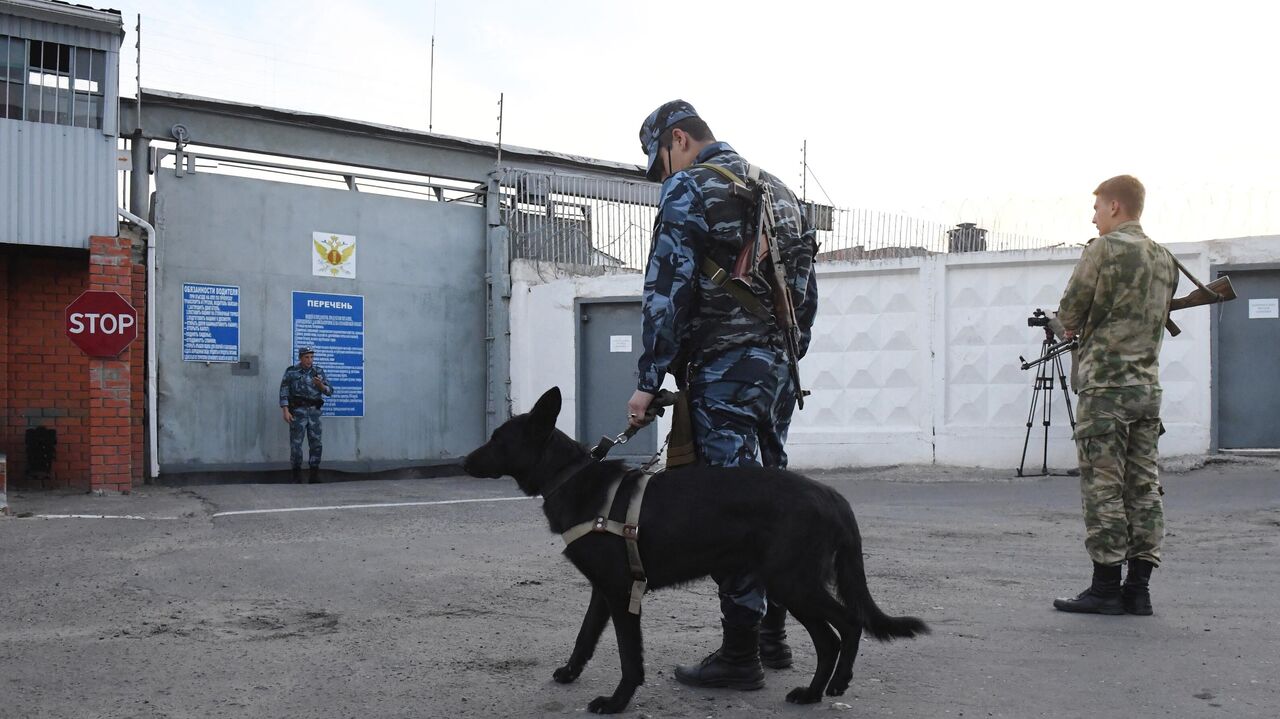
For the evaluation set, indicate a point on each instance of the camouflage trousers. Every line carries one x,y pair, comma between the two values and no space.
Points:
1117,430
735,402
306,421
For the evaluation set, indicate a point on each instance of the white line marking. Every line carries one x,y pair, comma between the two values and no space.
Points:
365,506
95,516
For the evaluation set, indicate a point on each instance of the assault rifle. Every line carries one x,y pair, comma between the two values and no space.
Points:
1220,290
763,245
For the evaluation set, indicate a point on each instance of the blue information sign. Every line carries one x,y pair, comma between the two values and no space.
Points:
210,323
333,325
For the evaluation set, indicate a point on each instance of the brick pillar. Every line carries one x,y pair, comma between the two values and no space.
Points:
111,426
6,402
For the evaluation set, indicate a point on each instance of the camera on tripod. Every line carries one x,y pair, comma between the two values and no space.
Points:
1048,367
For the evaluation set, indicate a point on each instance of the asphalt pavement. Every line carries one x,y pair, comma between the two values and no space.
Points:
447,598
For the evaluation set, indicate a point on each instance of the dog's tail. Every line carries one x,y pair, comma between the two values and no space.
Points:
851,579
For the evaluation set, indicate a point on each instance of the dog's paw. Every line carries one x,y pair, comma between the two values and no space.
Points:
605,705
566,674
838,685
802,695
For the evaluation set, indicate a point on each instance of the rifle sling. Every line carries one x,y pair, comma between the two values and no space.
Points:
718,275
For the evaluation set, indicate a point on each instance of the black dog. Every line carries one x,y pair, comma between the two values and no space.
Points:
795,535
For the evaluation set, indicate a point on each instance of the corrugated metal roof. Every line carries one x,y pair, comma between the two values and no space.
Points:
65,13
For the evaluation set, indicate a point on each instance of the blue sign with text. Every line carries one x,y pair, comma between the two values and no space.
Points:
333,326
210,323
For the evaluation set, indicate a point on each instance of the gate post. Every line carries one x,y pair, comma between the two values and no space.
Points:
497,308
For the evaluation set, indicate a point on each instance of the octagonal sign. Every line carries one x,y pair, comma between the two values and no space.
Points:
102,324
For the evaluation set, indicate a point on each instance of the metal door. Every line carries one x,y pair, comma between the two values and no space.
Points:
608,349
1246,365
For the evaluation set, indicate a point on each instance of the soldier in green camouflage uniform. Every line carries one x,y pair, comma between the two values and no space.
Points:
1116,304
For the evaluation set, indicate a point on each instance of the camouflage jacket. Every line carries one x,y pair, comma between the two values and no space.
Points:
296,384
687,316
1117,302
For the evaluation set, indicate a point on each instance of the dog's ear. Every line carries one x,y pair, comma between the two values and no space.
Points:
544,412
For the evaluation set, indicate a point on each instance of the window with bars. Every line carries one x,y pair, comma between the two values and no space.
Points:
50,82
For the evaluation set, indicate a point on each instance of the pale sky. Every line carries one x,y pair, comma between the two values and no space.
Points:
1005,113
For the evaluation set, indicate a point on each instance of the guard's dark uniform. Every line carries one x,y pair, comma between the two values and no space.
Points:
304,400
737,380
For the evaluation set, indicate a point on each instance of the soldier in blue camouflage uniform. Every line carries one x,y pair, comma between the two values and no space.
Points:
302,393
1117,302
730,361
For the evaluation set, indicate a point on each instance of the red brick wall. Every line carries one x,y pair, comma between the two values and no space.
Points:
47,376
111,425
94,404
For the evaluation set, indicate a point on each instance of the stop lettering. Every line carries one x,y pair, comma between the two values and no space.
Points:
102,324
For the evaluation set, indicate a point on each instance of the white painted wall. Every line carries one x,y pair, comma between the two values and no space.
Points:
913,361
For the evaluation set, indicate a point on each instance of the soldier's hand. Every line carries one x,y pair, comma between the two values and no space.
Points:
636,408
315,380
288,416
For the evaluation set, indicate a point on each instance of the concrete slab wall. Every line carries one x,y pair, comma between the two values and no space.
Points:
913,360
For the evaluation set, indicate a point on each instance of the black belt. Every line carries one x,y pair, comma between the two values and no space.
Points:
296,403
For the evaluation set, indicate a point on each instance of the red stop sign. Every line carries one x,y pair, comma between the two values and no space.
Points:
101,323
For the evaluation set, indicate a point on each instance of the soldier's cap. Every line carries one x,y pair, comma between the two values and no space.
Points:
658,122
305,351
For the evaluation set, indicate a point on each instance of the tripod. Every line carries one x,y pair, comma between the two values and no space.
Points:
1050,359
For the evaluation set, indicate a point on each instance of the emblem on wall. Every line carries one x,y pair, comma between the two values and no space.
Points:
333,255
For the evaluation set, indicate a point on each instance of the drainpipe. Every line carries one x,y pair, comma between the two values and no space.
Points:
152,424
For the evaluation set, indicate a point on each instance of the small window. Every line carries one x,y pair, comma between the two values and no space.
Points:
51,82
13,66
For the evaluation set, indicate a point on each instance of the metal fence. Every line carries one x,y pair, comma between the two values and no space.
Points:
576,220
607,223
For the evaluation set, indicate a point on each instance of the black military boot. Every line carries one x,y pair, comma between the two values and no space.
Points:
735,665
1102,597
774,652
296,475
1135,593
313,475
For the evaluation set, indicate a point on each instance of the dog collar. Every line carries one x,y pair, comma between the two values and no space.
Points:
563,475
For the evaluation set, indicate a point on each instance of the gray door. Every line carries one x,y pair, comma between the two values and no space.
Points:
1248,361
608,349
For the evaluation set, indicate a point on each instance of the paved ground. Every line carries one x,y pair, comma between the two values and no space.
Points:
465,609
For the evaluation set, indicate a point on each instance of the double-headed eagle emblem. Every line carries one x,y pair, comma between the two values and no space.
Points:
334,253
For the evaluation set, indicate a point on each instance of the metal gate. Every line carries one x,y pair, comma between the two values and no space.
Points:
418,274
1246,376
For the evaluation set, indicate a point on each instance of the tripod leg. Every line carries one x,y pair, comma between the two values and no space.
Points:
1066,392
1035,396
1048,415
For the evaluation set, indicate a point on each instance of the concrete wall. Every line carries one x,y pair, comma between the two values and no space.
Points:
913,360
420,268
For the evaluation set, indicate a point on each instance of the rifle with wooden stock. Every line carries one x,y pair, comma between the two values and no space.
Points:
762,245
1220,290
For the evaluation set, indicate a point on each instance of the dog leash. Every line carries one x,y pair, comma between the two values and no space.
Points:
662,400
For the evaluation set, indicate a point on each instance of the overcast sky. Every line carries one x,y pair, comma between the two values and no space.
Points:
1007,113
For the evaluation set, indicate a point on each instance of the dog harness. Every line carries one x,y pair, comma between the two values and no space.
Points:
629,530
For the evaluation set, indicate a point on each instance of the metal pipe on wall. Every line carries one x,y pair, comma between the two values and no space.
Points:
152,423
